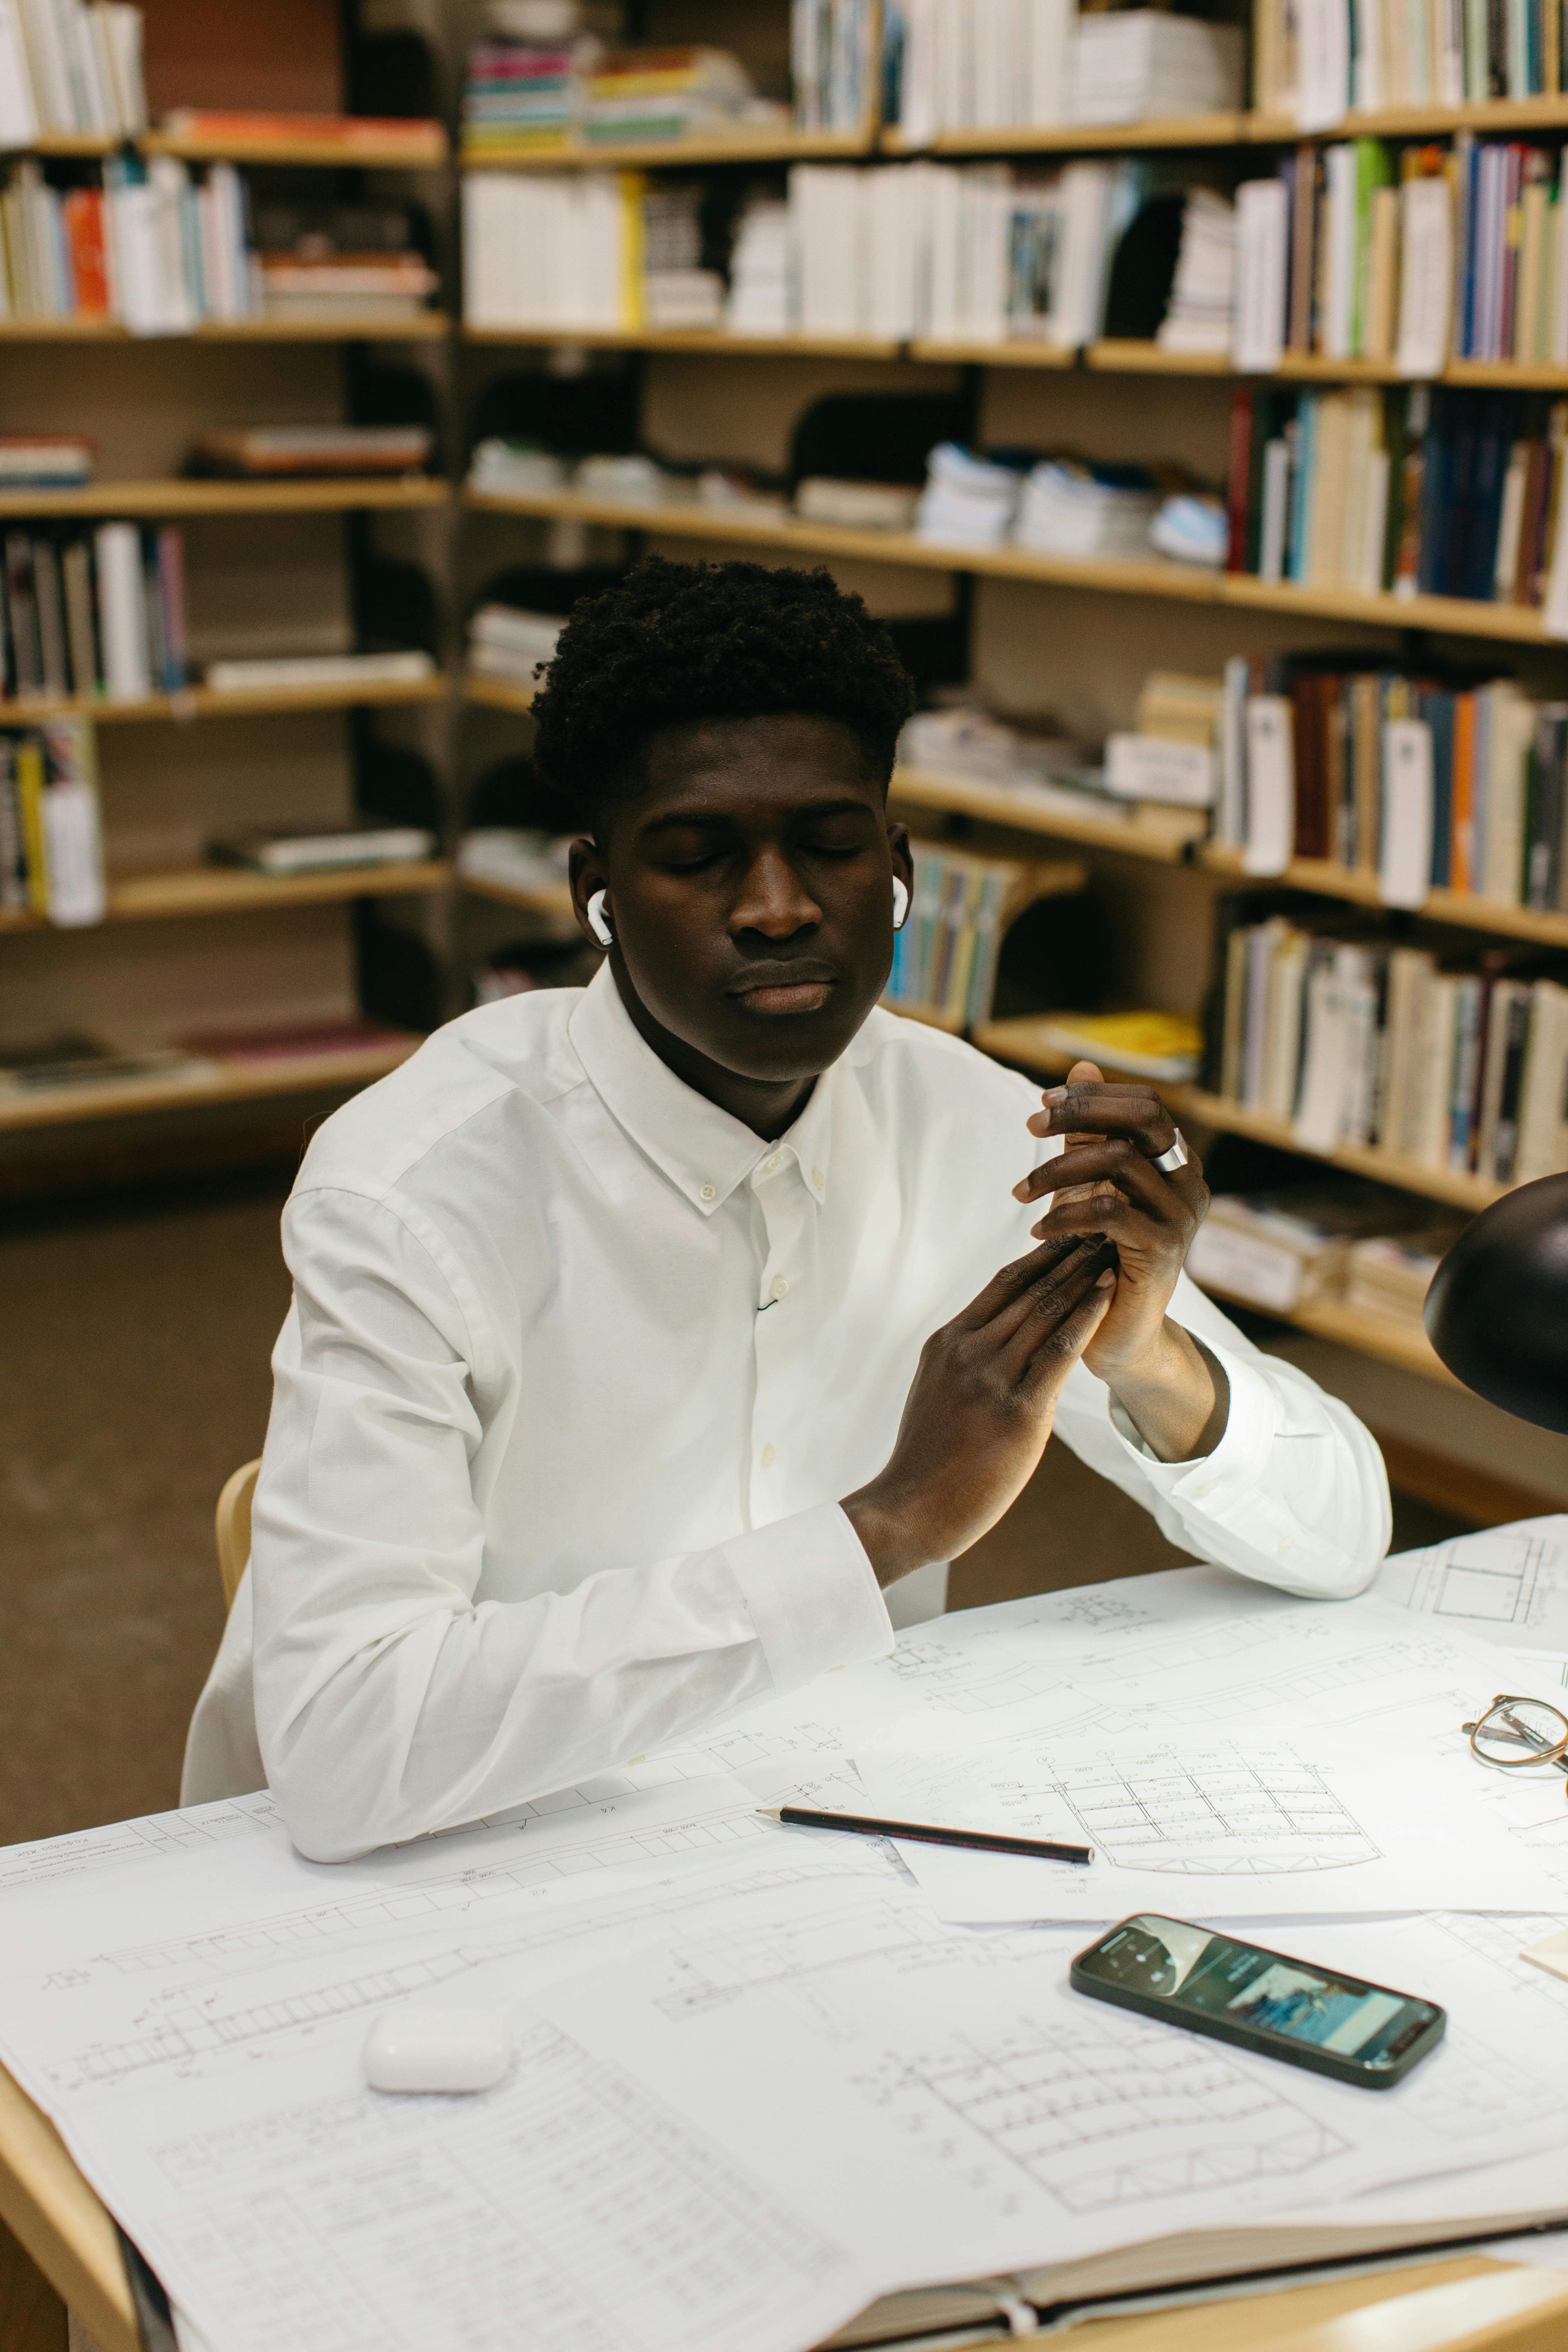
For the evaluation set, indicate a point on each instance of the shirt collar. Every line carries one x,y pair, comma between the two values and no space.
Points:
705,1152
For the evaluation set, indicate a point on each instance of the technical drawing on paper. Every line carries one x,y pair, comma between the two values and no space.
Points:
968,1681
1219,1817
1097,2118
1489,1580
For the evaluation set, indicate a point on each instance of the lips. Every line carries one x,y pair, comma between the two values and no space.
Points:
774,990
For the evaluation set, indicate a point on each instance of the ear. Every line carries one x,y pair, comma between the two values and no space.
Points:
587,873
902,855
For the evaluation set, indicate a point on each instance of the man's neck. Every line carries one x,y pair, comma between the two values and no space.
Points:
767,1106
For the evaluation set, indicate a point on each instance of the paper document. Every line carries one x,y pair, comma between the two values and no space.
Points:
1219,1828
1508,1585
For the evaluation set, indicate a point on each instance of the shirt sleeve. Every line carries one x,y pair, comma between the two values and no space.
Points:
389,1701
1294,1495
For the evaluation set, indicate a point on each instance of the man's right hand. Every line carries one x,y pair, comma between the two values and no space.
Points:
981,1406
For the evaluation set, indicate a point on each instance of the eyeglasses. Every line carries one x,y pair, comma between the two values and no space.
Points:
1519,1731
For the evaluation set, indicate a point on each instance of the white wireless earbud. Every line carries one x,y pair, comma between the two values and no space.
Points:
901,904
596,921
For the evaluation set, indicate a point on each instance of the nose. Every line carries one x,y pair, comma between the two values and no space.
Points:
773,900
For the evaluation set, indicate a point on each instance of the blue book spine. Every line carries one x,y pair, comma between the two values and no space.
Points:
1301,488
1437,709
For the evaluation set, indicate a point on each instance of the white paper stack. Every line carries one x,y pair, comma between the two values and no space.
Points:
760,269
1071,509
547,250
506,643
1141,63
1200,315
516,466
966,502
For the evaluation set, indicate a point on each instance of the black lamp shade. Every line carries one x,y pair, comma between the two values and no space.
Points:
1497,1312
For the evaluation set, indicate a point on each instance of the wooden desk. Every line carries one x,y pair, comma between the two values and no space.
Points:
61,2249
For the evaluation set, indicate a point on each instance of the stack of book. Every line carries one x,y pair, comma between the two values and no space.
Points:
1460,1067
515,858
149,245
1426,783
45,461
98,613
295,673
1129,64
506,643
677,290
1200,312
1428,491
522,95
1336,1241
51,837
261,453
635,94
1315,59
944,959
354,285
67,67
282,850
1025,62
1164,1047
761,297
344,137
833,63
1357,253
1047,771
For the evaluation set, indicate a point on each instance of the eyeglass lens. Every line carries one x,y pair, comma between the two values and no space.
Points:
1520,1731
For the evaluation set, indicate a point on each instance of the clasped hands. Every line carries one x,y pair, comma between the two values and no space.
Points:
983,1398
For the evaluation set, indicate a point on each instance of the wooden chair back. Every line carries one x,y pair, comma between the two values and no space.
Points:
234,1528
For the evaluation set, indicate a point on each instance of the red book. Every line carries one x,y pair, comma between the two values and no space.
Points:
83,216
1238,476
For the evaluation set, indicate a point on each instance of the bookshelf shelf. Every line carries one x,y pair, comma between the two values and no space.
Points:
337,495
225,891
1362,1160
1350,1326
1226,130
712,342
339,326
1502,115
1327,880
208,1084
996,804
430,152
1018,354
541,897
1446,615
784,145
496,693
206,702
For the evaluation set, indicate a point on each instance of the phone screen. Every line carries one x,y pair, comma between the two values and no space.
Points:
1188,1970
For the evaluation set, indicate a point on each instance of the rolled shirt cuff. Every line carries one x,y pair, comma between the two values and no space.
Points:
1216,1483
813,1595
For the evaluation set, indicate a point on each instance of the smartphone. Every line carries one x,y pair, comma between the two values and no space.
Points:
1265,2001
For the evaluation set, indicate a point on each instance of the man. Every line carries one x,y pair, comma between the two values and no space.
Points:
645,1336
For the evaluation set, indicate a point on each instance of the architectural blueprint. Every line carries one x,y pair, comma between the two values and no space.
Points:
1220,1828
1508,1584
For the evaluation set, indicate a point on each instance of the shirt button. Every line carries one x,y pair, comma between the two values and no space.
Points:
709,1192
772,1166
768,1457
778,1287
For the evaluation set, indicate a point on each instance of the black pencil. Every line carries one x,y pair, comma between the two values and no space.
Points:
1042,1849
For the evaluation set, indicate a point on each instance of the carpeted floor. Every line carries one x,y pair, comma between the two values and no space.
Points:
133,1378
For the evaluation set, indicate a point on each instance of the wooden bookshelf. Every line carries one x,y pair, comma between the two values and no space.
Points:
1503,116
711,342
1360,1158
231,890
497,693
1351,1327
1168,131
206,703
763,144
337,494
540,898
208,1083
1451,616
430,152
1137,834
336,327
1021,352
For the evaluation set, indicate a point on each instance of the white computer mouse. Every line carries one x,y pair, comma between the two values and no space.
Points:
427,2047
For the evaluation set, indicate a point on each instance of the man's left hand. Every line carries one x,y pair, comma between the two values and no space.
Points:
1104,1181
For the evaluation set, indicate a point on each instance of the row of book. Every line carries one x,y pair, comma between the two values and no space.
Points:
51,836
894,250
1353,1039
545,92
834,63
98,613
1356,252
69,68
945,956
1317,59
1425,491
145,244
1424,783
958,65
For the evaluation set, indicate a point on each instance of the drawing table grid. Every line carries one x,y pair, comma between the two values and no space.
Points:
59,2248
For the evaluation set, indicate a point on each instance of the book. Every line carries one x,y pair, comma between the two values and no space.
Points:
416,140
45,461
272,452
287,849
1165,1047
284,671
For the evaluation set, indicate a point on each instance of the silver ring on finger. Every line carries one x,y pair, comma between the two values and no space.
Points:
1173,1157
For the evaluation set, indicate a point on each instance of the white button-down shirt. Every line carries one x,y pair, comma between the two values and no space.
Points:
576,1370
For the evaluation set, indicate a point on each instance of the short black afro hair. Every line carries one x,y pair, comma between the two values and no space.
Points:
680,641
